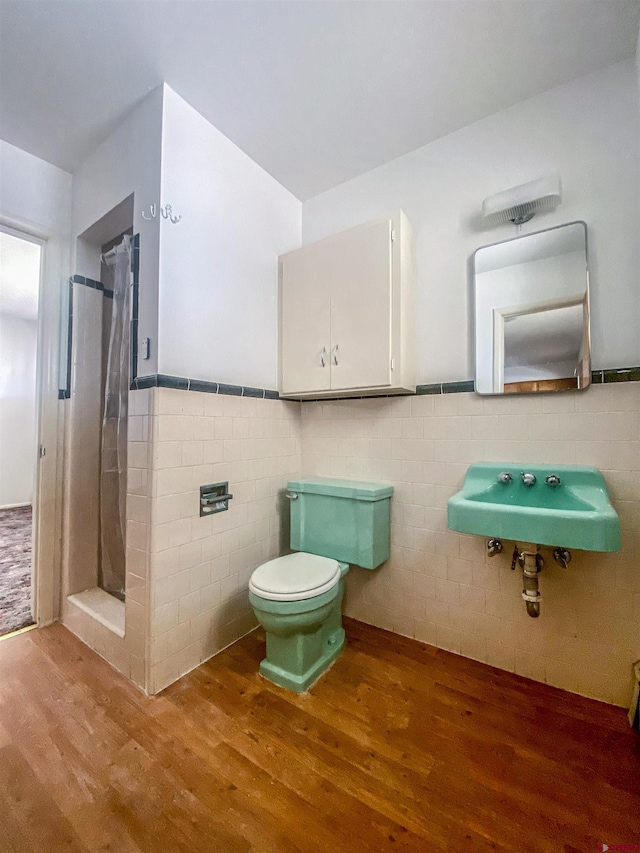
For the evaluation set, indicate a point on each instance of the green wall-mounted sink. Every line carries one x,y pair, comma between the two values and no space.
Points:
576,513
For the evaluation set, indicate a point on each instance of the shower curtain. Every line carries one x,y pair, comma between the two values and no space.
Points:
113,461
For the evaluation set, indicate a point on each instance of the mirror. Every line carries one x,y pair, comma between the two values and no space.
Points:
532,313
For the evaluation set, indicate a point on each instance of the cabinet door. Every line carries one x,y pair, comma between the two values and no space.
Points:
305,319
361,308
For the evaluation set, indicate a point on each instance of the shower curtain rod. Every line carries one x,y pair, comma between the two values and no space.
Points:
105,256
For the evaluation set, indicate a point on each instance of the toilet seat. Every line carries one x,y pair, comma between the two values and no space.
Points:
295,577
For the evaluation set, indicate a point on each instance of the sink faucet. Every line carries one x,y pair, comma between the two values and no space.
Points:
505,477
528,479
552,480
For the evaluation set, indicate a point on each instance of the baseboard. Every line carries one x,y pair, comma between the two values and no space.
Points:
14,506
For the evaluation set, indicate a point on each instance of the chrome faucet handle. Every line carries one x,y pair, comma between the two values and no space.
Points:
494,546
552,480
562,556
504,477
528,479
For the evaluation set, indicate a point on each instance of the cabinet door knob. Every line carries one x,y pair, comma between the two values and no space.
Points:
334,354
323,352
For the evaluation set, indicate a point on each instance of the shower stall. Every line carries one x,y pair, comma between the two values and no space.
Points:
116,266
96,430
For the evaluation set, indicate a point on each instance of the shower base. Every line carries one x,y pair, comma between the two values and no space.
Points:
104,608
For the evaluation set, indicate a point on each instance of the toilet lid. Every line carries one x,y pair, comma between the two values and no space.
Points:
295,577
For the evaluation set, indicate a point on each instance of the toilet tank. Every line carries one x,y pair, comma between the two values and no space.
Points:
347,520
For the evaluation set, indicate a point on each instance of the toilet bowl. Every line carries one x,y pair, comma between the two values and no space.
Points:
297,599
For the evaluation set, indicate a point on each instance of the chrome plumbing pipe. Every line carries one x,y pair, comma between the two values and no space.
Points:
532,564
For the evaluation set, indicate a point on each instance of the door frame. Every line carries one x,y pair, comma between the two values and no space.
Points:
46,538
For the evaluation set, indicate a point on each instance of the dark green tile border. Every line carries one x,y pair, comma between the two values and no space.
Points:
141,382
182,383
253,392
435,388
230,390
179,383
624,374
458,387
201,385
65,393
615,374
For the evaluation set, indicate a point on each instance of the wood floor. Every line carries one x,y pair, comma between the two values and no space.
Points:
399,747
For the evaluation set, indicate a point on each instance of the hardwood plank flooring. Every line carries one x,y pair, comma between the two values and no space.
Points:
399,747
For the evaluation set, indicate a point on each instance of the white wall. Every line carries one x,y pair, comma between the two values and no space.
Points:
32,190
36,197
586,131
18,339
218,265
127,162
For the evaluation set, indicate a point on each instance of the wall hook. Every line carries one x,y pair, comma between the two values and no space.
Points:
152,210
167,212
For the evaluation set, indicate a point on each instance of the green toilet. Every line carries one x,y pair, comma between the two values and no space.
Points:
298,598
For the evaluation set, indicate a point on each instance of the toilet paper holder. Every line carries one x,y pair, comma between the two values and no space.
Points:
214,498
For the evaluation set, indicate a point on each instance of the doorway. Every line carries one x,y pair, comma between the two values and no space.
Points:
20,273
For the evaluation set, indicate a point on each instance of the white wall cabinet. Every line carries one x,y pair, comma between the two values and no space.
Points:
347,313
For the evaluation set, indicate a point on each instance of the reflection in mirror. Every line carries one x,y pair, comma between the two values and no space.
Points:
532,313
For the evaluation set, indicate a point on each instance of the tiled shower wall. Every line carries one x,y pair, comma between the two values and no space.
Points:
439,586
83,422
200,567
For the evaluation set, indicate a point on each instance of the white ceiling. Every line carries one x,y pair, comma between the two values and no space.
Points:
19,277
315,91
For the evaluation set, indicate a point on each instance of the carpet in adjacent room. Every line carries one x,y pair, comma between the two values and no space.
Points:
15,569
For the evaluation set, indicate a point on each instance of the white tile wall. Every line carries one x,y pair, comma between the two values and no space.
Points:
200,567
439,586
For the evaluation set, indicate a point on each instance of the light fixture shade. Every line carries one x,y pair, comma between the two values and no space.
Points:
519,204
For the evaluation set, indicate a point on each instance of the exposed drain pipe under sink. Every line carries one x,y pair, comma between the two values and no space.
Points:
532,564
